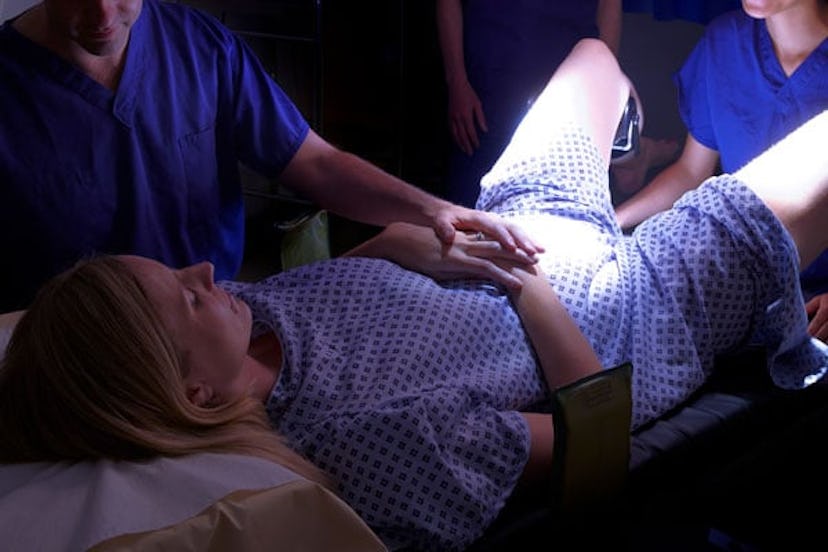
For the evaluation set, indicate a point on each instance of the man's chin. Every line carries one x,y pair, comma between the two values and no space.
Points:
97,49
103,46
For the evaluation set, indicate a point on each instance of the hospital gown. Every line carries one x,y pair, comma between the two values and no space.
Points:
406,390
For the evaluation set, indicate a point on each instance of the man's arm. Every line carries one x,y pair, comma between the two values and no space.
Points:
356,189
465,111
608,17
449,15
696,163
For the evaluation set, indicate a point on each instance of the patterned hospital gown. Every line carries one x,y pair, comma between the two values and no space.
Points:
406,390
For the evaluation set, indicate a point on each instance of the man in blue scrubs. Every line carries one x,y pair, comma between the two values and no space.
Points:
123,124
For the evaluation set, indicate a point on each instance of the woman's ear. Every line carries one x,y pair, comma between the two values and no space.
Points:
199,393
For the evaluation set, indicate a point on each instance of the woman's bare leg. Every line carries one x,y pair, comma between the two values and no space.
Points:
558,158
588,90
538,468
792,179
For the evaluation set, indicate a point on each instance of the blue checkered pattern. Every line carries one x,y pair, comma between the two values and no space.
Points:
407,391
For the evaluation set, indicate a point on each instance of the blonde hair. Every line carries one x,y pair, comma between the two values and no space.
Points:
90,373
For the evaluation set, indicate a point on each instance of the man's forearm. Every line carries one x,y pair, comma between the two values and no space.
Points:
359,190
356,189
610,21
449,15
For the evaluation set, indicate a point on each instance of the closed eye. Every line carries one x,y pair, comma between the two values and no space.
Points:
192,297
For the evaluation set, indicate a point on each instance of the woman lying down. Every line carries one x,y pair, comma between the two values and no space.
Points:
422,403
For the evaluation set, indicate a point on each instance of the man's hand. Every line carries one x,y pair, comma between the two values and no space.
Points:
817,311
510,236
465,116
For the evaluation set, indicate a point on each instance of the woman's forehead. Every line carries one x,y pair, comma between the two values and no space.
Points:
154,276
142,265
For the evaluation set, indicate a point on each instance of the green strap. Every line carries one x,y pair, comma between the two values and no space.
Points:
306,240
592,419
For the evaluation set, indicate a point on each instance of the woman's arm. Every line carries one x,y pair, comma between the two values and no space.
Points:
697,162
564,353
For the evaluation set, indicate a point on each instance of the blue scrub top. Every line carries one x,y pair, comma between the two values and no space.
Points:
735,98
151,169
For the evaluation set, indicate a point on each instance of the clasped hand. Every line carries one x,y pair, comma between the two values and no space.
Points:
471,254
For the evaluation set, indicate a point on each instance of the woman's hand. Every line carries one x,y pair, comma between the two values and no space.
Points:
470,255
817,311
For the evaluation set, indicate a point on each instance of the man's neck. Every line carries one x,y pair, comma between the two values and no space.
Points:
104,69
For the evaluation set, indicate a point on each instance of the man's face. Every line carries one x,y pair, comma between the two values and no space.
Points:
100,27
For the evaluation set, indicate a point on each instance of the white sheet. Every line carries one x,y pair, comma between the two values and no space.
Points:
53,507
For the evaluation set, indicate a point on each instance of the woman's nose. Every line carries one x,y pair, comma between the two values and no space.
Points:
201,273
205,271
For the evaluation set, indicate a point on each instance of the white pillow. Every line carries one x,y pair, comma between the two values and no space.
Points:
74,506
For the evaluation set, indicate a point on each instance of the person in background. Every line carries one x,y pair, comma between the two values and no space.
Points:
425,402
756,74
497,57
124,124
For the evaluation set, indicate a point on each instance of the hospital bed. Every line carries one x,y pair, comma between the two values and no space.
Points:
735,467
718,470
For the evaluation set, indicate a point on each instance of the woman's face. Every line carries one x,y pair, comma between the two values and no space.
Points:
101,27
210,328
761,9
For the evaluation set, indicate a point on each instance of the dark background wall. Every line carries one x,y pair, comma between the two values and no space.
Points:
385,96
